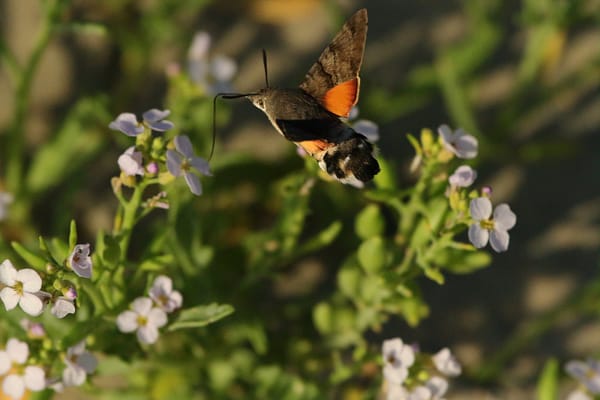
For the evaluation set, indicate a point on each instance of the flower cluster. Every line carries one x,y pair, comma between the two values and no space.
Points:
147,314
79,363
17,373
24,287
211,73
150,152
410,375
587,373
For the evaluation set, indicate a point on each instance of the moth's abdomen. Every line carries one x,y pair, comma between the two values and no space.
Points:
350,161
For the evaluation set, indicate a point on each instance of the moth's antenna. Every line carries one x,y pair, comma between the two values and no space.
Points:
265,65
214,116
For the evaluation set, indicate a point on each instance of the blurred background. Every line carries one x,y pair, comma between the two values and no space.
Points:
523,76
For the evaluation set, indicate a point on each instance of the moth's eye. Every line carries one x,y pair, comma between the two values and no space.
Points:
261,104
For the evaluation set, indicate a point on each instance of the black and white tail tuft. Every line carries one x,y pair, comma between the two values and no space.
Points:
351,161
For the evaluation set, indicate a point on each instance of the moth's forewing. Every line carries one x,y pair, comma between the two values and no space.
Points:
338,64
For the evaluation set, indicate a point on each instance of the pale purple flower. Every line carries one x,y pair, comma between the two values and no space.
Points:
163,294
184,161
212,73
31,377
128,124
80,261
62,307
464,176
34,330
70,292
155,120
486,191
144,319
5,200
487,227
365,127
587,373
21,288
130,162
152,168
458,142
446,363
80,363
397,358
579,395
433,389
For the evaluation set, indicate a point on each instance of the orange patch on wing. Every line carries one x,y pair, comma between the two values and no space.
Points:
340,99
314,146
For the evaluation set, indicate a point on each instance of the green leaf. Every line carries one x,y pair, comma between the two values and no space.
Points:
369,222
72,234
322,317
200,316
547,385
34,260
372,254
349,280
462,261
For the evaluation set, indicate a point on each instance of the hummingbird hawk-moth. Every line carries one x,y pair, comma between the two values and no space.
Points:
309,115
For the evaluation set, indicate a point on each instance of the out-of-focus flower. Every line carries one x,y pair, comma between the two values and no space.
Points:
34,330
130,162
21,288
458,142
144,319
464,176
5,200
495,229
152,168
587,373
446,363
80,363
163,294
184,161
365,127
155,120
80,261
579,395
128,124
212,73
397,358
16,380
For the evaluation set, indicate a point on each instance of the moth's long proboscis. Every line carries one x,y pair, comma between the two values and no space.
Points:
223,96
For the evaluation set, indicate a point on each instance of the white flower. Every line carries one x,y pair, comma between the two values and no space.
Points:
62,307
493,229
588,373
396,392
437,386
163,294
458,142
80,363
21,288
397,358
579,395
213,74
185,161
142,318
130,162
464,176
446,363
5,199
14,384
80,260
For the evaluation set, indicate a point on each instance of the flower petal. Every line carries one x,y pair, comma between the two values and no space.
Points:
466,146
162,126
13,386
464,176
480,208
223,68
5,362
446,134
201,165
157,317
31,304
127,321
147,334
199,48
31,280
504,218
499,240
174,162
62,307
478,236
367,128
394,374
17,350
193,183
155,115
184,145
127,123
34,378
8,273
9,297
88,362
73,375
142,305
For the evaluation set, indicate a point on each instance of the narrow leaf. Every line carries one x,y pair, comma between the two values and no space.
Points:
200,316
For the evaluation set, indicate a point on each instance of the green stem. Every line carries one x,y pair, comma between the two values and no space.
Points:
15,148
8,58
130,211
